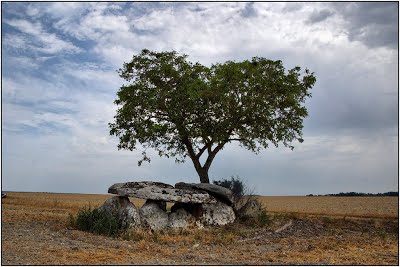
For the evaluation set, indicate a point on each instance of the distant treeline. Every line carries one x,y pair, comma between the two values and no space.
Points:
355,194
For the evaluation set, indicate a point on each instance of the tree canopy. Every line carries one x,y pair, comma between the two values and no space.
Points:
183,109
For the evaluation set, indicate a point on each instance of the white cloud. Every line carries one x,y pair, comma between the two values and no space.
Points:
71,102
43,41
216,33
23,62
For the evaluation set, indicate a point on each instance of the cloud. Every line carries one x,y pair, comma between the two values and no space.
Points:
331,163
318,16
249,10
373,23
292,6
60,81
42,41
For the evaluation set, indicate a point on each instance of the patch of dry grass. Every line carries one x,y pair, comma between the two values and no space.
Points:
379,207
341,242
383,207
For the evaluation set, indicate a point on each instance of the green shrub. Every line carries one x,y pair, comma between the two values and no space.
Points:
71,221
246,205
236,185
263,218
96,221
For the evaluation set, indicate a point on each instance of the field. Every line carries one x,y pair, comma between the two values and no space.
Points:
300,230
376,207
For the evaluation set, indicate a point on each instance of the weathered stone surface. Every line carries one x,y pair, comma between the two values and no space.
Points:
124,210
195,204
136,185
180,219
217,191
162,204
217,214
195,209
153,216
160,191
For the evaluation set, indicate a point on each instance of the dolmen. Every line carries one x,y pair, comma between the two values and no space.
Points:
195,205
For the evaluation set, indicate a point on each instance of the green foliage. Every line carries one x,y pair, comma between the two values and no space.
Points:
236,185
239,190
96,221
184,109
245,204
72,221
355,194
263,218
326,219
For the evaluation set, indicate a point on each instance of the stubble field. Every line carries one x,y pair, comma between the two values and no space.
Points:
300,230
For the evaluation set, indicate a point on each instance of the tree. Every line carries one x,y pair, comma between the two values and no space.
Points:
183,109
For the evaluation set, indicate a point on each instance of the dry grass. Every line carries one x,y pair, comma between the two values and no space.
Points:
52,205
56,207
377,207
35,231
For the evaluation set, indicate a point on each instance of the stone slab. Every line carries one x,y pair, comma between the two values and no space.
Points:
217,191
160,191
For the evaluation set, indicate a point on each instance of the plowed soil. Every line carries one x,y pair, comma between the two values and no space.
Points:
35,231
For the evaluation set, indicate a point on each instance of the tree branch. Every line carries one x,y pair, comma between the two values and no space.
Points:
208,145
211,156
186,142
201,151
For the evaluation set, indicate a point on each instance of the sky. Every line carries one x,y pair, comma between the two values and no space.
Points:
59,82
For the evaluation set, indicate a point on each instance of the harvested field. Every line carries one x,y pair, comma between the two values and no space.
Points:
377,207
35,231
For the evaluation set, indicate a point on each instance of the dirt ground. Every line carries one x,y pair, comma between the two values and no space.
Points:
35,231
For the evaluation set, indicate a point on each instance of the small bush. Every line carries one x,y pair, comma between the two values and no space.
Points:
326,219
72,221
263,218
245,205
96,221
236,185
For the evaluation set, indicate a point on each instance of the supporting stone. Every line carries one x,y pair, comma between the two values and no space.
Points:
153,216
180,219
124,210
217,214
196,210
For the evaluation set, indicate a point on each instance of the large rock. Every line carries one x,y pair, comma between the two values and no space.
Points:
160,191
122,209
217,191
180,219
217,214
195,209
153,216
114,189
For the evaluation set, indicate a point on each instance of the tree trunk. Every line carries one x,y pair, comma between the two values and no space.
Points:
201,171
203,174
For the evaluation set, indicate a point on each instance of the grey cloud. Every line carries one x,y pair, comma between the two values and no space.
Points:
318,16
335,109
292,6
352,92
374,24
249,11
350,134
376,36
